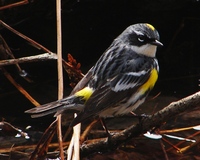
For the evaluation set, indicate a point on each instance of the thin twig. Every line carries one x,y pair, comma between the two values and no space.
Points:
60,141
183,150
9,54
76,135
87,130
20,88
181,142
176,130
73,149
14,4
70,148
49,132
60,73
25,147
164,150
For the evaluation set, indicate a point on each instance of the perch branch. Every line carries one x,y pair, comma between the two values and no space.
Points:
147,123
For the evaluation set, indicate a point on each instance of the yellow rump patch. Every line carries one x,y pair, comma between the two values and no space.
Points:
151,81
150,26
85,93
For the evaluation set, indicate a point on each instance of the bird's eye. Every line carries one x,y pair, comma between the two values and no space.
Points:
141,38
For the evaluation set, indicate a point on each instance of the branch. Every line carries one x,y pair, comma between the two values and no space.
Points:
41,57
14,4
146,124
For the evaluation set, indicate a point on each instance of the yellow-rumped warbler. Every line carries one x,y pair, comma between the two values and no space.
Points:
120,80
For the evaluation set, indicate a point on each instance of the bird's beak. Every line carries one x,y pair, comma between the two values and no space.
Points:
157,43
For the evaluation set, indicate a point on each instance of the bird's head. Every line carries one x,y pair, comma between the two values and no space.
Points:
143,39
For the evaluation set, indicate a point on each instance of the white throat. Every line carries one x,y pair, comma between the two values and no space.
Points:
147,50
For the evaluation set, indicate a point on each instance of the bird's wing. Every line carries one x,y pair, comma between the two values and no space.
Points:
83,82
112,92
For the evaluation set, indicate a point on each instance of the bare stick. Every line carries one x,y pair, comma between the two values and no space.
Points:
73,149
77,130
9,52
20,88
87,130
70,149
60,73
14,4
41,57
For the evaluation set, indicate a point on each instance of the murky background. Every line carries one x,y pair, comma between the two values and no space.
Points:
89,27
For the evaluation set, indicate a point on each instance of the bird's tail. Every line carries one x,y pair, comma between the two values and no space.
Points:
56,107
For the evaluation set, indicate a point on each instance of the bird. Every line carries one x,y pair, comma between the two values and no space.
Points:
118,83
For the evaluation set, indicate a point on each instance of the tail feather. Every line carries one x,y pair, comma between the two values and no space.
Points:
56,107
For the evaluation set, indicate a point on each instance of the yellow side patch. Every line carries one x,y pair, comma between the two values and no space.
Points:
85,93
150,26
151,81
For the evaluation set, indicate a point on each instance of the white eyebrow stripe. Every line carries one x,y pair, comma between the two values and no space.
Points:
139,33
